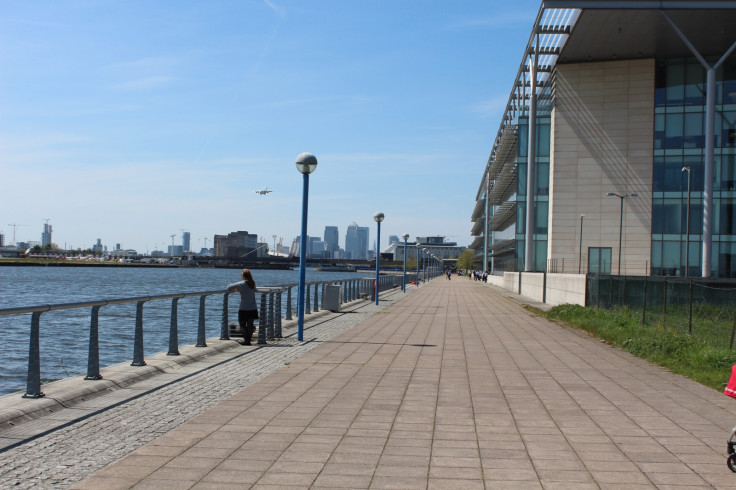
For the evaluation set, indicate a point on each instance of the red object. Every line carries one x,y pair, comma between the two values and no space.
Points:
731,387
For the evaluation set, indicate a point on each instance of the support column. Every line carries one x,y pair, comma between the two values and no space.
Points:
531,160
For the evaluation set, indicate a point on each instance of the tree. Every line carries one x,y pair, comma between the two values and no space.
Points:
411,263
465,261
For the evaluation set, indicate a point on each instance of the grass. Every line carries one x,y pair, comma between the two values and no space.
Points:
663,341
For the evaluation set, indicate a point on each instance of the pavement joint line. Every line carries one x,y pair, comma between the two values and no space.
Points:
21,458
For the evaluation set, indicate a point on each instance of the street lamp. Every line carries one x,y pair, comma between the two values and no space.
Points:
378,217
621,222
417,262
687,224
406,239
424,265
580,257
306,163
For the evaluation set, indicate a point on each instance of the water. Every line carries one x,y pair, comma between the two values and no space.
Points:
65,333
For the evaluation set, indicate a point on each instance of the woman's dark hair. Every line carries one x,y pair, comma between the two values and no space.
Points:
248,278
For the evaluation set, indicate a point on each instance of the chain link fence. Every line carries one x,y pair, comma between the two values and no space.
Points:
705,308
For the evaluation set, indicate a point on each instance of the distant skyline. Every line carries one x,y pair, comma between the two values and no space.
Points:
132,121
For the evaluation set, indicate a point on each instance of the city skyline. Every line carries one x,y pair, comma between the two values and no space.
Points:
130,121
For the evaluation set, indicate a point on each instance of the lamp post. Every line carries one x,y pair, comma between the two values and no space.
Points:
621,222
424,265
580,257
403,283
378,217
417,263
306,163
687,224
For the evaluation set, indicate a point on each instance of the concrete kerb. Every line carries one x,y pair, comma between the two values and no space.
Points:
68,392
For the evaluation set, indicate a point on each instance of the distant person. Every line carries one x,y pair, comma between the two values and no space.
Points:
449,273
248,311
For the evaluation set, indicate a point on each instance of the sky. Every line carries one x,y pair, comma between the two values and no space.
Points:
131,121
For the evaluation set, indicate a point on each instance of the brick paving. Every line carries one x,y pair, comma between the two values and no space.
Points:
452,386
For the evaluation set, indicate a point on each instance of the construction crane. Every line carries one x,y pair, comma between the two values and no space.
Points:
15,226
172,243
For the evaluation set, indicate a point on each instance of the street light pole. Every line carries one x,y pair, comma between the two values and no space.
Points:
306,163
687,224
378,217
403,283
424,265
580,257
417,263
621,223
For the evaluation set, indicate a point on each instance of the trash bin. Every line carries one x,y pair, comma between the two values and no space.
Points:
333,297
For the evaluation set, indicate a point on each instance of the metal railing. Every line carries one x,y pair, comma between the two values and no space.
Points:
272,302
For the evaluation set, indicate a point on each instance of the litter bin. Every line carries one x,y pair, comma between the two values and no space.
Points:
333,297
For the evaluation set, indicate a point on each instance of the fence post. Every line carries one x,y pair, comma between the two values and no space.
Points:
33,382
225,327
269,322
644,309
138,342
544,286
307,301
690,320
174,329
610,292
316,298
262,321
277,329
324,287
201,340
288,303
93,358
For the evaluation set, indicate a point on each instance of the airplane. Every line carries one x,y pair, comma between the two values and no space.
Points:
263,192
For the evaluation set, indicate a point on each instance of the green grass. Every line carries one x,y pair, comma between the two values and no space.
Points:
663,341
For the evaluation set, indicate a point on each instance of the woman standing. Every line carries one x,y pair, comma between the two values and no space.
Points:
248,311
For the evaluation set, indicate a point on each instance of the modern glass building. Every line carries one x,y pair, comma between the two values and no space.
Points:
621,113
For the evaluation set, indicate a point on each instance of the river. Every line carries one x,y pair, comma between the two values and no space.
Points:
65,333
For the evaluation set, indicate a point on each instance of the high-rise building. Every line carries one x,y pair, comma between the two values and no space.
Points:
363,235
46,235
331,238
186,241
352,242
235,245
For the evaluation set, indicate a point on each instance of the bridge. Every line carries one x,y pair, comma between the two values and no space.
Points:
453,384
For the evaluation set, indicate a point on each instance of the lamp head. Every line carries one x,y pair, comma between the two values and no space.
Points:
378,217
306,163
633,194
405,236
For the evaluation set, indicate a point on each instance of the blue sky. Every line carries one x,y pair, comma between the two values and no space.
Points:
129,121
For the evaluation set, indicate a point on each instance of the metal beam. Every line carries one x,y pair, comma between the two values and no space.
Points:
640,4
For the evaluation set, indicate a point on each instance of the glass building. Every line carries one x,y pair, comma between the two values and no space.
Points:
619,98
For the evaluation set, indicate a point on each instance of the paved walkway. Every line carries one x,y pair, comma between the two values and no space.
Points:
452,386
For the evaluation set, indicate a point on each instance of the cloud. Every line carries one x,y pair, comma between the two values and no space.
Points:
280,11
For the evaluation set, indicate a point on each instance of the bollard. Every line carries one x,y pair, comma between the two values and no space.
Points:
261,321
138,341
93,358
225,328
33,382
201,340
277,329
288,303
269,319
307,301
174,329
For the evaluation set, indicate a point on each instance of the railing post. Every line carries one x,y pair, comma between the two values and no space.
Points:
307,301
33,383
277,329
269,323
225,328
288,303
174,329
138,342
324,287
316,298
93,358
262,321
201,336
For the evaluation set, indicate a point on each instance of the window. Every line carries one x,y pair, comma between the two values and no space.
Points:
599,260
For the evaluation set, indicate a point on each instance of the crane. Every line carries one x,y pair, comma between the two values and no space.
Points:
15,226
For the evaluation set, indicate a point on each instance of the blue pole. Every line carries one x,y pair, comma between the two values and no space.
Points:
378,257
302,261
403,284
417,265
424,268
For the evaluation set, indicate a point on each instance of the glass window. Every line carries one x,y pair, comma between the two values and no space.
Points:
541,210
693,134
728,129
523,146
520,217
694,90
657,211
696,172
675,83
729,82
670,257
727,219
540,255
660,84
521,179
543,129
727,259
673,179
673,131
656,257
658,174
726,172
659,131
542,177
672,216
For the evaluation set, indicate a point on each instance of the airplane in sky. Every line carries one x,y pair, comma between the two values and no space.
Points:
263,192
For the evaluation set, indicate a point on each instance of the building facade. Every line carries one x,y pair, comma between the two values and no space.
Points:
235,245
331,238
627,112
46,235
